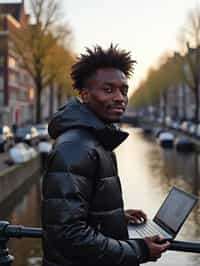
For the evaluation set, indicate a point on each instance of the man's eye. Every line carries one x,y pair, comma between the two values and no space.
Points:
125,91
108,89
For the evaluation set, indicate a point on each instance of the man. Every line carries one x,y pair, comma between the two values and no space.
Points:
82,213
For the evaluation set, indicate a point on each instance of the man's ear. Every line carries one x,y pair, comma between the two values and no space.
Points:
84,93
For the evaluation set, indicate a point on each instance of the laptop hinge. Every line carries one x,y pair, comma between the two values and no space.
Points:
165,227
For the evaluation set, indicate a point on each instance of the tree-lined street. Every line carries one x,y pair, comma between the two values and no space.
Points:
171,89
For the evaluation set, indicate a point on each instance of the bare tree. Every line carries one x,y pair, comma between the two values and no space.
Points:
33,43
190,38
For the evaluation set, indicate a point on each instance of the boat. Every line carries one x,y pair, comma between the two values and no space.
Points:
166,139
22,152
147,129
157,131
184,144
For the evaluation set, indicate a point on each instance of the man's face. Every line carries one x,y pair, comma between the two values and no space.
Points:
106,94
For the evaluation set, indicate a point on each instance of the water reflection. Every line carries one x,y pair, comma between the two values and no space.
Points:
148,172
24,209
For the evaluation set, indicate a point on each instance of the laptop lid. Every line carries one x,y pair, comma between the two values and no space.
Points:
174,210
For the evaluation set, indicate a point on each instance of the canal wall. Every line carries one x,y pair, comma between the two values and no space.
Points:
147,124
12,178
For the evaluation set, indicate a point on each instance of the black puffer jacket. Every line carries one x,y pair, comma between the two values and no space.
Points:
82,209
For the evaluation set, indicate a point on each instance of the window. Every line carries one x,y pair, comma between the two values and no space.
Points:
1,23
11,62
1,97
22,95
1,90
3,42
1,60
31,94
1,83
12,77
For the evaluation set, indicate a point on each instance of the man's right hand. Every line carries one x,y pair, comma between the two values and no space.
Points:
156,246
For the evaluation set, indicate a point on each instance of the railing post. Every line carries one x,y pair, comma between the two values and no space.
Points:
5,258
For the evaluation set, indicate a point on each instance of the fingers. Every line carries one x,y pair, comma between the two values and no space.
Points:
160,241
137,220
155,238
142,214
156,246
136,216
165,246
136,212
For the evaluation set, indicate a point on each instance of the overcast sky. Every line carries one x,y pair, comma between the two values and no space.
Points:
146,28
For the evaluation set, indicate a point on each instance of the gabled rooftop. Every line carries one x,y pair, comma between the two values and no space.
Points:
13,8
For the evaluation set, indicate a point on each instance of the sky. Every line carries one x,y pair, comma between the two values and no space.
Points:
146,28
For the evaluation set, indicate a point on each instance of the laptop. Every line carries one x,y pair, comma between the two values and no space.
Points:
170,217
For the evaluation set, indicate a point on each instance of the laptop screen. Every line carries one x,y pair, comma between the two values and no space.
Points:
175,209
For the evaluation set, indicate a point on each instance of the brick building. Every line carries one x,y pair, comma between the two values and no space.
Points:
16,86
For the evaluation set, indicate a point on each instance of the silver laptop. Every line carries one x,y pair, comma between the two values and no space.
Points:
169,218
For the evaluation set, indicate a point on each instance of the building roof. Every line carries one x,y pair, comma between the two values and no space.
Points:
14,9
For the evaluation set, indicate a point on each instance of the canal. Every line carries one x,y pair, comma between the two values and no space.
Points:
147,174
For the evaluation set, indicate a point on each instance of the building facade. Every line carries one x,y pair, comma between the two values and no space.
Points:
16,85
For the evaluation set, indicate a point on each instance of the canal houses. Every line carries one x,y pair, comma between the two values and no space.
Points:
16,85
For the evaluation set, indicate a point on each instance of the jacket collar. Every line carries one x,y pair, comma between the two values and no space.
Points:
76,114
110,137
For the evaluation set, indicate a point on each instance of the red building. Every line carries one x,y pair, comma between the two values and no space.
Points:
16,85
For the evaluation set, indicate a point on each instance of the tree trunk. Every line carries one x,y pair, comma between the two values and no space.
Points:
196,96
51,101
165,102
59,96
184,102
38,83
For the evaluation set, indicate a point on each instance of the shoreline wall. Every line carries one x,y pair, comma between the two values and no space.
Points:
12,178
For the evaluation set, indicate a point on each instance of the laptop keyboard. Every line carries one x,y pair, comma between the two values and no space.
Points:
150,229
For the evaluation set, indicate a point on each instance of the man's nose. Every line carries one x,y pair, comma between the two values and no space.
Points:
119,96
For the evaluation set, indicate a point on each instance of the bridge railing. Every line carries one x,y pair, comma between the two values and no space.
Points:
8,231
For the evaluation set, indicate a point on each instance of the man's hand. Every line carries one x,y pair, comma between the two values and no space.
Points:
156,246
135,216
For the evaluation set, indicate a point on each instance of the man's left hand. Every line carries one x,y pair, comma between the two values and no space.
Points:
135,216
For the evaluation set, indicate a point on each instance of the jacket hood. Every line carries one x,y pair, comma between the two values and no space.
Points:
75,114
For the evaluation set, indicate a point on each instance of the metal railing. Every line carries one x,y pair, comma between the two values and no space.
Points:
8,231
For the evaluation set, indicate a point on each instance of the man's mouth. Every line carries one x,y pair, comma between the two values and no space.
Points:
118,109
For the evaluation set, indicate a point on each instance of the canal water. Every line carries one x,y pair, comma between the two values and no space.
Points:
147,174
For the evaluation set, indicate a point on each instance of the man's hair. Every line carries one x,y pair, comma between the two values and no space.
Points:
88,63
